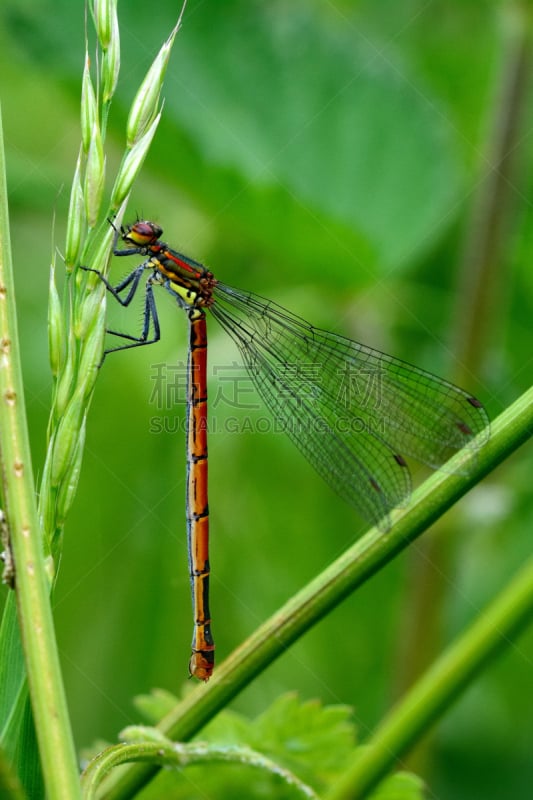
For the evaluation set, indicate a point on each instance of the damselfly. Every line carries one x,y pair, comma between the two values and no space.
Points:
356,438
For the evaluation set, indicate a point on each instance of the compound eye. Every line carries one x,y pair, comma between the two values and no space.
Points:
143,233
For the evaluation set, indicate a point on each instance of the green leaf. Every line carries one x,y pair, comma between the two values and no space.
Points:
28,761
17,734
310,739
12,678
313,741
307,738
320,115
229,728
401,786
155,705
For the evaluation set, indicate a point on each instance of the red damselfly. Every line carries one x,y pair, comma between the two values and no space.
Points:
357,441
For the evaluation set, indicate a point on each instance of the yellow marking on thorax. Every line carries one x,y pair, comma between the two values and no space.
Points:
190,297
187,294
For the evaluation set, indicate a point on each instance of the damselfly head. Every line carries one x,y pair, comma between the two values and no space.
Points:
142,233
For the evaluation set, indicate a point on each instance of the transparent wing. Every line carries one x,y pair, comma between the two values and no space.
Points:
355,413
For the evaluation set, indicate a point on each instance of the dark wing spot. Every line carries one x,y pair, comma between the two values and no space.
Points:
474,402
463,427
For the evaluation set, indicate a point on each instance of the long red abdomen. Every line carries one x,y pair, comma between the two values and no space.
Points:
203,647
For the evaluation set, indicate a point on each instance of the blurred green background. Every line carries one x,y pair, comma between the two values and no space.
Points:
330,156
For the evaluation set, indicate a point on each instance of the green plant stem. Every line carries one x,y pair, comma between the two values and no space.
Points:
56,747
445,680
177,756
352,569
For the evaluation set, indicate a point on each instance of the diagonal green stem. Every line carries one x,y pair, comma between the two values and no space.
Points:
312,603
58,758
444,681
